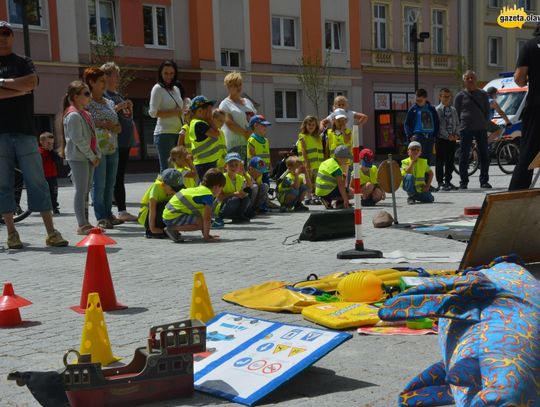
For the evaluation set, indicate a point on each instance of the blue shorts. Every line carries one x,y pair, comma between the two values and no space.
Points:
181,220
21,150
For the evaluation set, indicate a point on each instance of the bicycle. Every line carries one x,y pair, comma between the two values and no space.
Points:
22,211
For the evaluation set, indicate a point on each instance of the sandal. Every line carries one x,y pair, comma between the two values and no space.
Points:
84,229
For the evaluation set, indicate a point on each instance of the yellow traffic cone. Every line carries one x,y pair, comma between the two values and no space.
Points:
201,306
95,338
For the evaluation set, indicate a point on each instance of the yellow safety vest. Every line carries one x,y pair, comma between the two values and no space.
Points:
326,182
205,151
314,150
372,177
187,140
261,150
229,187
335,140
223,151
189,182
182,203
420,169
257,181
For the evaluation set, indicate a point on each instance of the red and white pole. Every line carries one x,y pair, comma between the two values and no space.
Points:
359,251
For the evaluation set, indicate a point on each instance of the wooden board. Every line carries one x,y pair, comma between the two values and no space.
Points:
509,222
383,177
535,163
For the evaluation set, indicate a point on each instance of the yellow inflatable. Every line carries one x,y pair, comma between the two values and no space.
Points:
342,315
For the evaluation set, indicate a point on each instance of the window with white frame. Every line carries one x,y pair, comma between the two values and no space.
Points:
284,32
437,25
379,26
494,3
519,44
526,4
102,19
230,59
333,35
155,26
32,8
331,95
410,16
494,50
286,104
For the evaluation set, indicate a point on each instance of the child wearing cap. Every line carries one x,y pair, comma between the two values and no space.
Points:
369,185
235,202
339,134
417,175
257,144
259,190
154,200
292,187
331,182
204,135
50,159
191,209
341,102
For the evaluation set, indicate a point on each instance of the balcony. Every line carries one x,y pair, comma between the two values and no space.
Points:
382,58
440,61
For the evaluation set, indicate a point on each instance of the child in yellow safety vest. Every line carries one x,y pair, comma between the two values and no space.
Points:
235,201
338,134
371,192
417,175
190,209
257,144
219,120
310,151
183,135
154,200
180,160
331,182
259,190
292,189
204,136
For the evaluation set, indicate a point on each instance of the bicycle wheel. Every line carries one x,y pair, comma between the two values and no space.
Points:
473,161
22,211
507,156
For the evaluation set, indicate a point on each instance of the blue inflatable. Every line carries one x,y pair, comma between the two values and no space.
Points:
489,336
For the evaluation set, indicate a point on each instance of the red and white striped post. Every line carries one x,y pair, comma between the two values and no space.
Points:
359,252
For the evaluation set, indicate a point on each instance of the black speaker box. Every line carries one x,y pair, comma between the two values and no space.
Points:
331,224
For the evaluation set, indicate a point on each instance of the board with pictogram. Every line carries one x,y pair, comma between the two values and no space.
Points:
254,356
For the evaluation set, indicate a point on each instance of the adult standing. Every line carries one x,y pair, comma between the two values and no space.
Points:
472,106
528,69
18,145
166,105
124,111
107,129
238,111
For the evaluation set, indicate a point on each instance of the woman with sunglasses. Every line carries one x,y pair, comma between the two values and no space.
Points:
80,148
107,129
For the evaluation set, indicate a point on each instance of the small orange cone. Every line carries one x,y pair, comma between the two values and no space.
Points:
9,307
95,338
97,275
201,306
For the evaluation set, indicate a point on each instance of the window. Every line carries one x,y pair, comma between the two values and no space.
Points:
102,19
520,43
331,95
438,31
33,12
230,59
526,4
410,15
284,32
494,50
286,104
155,26
332,36
379,26
494,3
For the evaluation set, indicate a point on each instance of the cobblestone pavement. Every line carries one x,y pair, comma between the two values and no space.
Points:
154,278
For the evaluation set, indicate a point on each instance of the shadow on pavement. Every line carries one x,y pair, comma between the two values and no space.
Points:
128,311
25,324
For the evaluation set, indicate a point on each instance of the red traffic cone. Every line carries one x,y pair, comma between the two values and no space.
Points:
9,307
97,276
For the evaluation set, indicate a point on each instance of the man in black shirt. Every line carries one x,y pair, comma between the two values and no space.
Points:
528,68
18,144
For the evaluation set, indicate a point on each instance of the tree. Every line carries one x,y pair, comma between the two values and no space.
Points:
314,75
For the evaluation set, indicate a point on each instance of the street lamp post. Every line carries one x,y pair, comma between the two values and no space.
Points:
415,40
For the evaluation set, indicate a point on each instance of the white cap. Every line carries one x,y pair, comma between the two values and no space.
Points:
414,144
339,114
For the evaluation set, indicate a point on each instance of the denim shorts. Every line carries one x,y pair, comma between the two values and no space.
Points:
21,150
181,220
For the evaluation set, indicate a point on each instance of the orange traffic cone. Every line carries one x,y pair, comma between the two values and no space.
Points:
97,276
9,307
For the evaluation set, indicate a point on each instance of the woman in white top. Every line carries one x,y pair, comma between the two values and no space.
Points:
238,111
166,105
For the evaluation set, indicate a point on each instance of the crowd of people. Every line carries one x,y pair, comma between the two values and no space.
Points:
214,162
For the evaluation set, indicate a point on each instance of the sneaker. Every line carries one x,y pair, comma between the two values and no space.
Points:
115,221
174,235
14,241
150,235
316,201
463,186
217,223
56,211
446,187
126,217
433,189
300,207
486,185
308,202
411,201
452,186
105,224
55,239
